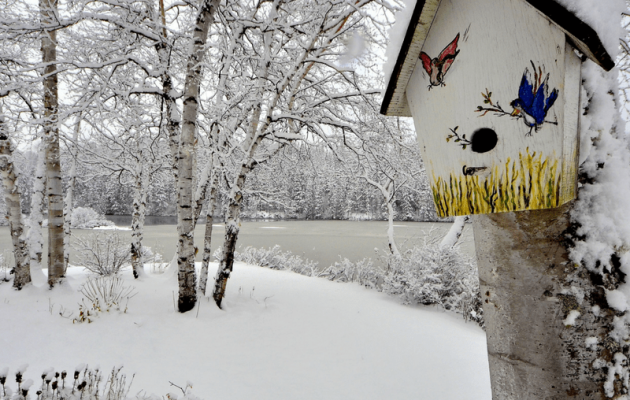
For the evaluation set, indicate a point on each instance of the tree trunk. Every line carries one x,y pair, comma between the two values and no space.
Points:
14,211
452,236
171,113
232,227
207,240
186,249
538,308
54,187
34,237
69,201
390,226
137,223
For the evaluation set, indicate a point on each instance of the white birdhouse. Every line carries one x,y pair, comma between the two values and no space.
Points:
493,87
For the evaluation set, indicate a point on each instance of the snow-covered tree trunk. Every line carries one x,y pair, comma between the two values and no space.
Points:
233,217
186,248
207,239
34,237
388,193
140,190
69,200
171,113
54,186
455,232
390,226
232,229
534,299
21,270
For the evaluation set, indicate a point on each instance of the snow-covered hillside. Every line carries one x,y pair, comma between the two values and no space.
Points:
280,336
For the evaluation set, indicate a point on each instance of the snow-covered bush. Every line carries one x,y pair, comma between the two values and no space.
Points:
426,274
103,293
273,258
5,270
363,272
83,384
103,253
153,257
434,274
87,218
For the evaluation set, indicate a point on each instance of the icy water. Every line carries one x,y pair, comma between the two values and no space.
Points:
321,241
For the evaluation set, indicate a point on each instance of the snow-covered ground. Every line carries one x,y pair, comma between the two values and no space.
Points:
280,336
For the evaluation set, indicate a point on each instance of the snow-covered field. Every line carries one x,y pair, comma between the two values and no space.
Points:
280,336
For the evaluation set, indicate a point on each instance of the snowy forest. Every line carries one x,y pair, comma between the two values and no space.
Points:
292,185
218,111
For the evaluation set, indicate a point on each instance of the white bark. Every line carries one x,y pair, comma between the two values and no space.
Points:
69,201
455,232
21,270
186,249
207,240
54,187
34,237
140,191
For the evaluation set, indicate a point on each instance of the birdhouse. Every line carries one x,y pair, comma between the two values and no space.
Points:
493,87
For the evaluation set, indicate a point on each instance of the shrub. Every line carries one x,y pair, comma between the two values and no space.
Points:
275,258
87,218
84,384
102,253
5,269
431,274
103,293
426,274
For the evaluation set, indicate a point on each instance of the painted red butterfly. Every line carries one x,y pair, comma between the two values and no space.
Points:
437,67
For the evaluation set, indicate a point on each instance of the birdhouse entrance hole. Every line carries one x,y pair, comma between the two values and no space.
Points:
484,140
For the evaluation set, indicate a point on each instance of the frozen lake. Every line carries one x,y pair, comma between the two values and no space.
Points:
322,241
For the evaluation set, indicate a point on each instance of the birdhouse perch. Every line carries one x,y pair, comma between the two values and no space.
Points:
493,87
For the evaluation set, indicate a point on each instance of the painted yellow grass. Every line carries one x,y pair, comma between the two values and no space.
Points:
529,183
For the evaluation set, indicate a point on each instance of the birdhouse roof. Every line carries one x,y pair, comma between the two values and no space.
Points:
578,33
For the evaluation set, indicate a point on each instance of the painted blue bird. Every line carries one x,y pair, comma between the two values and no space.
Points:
531,104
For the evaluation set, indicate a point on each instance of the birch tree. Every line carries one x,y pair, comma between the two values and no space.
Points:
54,186
21,271
295,89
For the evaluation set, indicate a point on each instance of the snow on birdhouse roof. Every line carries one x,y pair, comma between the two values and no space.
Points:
578,33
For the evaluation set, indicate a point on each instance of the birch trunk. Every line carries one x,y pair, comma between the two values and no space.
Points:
207,240
232,227
455,232
54,187
21,271
171,113
34,237
69,201
254,138
390,229
535,307
137,223
186,249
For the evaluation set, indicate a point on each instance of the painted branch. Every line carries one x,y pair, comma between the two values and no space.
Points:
54,187
536,308
14,211
186,249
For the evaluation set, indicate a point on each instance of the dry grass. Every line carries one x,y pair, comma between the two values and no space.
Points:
529,183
